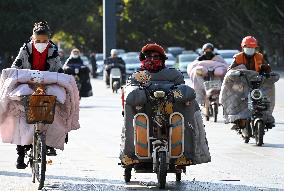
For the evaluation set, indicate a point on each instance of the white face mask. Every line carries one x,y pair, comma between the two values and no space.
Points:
75,56
40,46
249,51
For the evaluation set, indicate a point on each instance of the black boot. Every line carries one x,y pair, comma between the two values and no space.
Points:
66,138
50,151
21,157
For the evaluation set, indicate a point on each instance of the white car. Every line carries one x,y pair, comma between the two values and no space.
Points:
132,64
86,62
120,51
185,59
175,50
171,61
129,54
100,63
228,55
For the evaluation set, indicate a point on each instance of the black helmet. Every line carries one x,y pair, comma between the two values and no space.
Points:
208,45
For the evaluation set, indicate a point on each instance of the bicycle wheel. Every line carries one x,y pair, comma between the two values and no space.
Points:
39,159
215,111
207,110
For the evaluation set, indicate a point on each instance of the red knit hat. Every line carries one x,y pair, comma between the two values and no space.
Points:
152,47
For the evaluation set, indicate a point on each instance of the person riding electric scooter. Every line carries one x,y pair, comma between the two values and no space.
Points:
74,66
248,92
163,129
114,61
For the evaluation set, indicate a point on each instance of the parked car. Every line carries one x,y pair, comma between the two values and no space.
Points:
100,63
228,55
171,61
188,52
198,51
184,59
132,64
175,50
129,54
120,51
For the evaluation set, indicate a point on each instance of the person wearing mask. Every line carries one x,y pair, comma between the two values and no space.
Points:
249,57
114,61
74,57
84,72
198,71
153,71
40,53
209,54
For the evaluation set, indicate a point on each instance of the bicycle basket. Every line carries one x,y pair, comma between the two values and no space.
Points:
213,84
40,108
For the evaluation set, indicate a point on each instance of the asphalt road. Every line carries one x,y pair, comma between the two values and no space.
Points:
89,161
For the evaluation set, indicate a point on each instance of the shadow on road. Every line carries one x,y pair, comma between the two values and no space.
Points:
195,185
99,106
87,106
273,145
85,183
18,174
97,184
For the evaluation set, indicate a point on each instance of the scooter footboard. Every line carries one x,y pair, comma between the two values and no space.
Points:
141,136
176,144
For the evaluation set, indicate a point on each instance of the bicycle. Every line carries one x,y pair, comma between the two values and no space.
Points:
40,109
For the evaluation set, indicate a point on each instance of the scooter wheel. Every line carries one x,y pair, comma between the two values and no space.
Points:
259,133
162,170
127,174
178,176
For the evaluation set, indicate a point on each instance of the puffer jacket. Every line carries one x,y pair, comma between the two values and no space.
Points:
24,59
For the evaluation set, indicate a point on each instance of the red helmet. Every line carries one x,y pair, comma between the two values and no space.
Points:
249,42
154,48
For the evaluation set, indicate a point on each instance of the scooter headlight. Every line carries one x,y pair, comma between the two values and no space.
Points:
159,94
256,94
